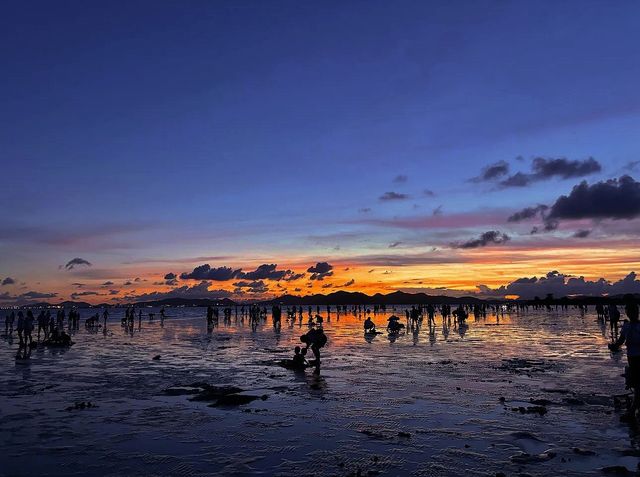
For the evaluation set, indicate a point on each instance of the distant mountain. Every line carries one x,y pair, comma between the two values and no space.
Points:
359,298
188,302
343,298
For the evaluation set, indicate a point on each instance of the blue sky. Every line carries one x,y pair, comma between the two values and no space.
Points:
237,128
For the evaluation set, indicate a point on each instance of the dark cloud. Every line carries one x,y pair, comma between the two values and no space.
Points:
561,285
201,290
563,168
114,292
8,281
25,298
394,244
320,270
205,272
75,262
548,168
388,196
108,283
492,172
582,233
528,213
437,212
364,210
327,285
265,272
400,179
612,199
487,238
349,283
255,286
33,295
170,276
428,193
294,276
172,282
77,295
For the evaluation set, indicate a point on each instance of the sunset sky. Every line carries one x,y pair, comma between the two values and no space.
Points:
307,147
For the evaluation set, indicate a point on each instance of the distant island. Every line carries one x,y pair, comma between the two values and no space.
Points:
337,298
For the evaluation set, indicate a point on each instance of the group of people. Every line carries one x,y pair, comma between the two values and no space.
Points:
315,339
49,327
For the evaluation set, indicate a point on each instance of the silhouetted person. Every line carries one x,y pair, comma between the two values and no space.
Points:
315,339
8,323
630,335
369,325
614,318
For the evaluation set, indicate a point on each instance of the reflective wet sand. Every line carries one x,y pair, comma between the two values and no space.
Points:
425,404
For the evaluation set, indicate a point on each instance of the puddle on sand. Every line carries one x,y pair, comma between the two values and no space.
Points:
423,404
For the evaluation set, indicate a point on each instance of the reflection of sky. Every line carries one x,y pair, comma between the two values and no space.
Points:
257,132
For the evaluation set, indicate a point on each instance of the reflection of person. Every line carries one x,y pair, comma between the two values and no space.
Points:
630,336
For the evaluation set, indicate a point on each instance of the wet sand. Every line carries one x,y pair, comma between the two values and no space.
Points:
422,405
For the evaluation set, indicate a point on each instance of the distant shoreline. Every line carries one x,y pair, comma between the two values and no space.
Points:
340,298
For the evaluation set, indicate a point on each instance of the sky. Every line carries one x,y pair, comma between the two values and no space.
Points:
464,147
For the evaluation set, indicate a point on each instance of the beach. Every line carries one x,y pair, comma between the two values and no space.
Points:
519,394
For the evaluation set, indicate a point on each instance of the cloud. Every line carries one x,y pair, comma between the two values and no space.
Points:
170,276
256,287
172,282
582,233
8,281
205,272
400,179
76,295
487,238
26,297
389,196
632,165
294,276
349,283
201,290
545,169
108,283
320,270
364,210
327,285
394,244
492,172
561,285
527,213
75,262
428,193
612,199
265,272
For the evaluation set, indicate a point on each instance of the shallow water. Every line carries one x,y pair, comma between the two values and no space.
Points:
425,404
